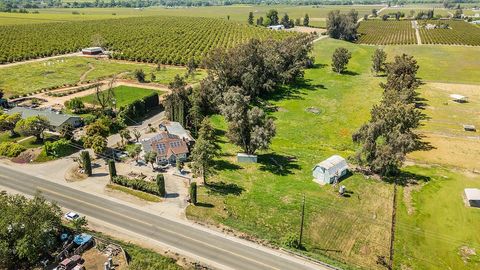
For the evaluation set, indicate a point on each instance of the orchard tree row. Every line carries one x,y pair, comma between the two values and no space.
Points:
159,39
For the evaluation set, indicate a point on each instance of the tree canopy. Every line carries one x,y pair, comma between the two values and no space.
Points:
342,26
28,230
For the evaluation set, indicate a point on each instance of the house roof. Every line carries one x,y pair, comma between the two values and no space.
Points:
55,119
93,49
472,194
176,128
333,164
165,144
457,96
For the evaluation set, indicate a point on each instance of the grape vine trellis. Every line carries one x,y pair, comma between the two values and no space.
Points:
159,39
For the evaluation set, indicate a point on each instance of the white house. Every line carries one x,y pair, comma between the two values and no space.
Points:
330,170
57,120
473,196
276,27
168,147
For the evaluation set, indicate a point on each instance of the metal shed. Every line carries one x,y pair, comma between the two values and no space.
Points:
330,170
473,196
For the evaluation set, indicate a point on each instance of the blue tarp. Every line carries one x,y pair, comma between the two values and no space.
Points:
81,239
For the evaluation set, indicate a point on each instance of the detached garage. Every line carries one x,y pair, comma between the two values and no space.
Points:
473,197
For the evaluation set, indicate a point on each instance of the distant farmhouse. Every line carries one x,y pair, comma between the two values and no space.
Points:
276,27
57,120
168,146
330,170
92,51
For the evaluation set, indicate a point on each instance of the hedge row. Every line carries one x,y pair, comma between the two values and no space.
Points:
140,107
137,184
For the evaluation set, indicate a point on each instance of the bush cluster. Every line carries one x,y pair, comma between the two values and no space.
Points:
11,149
137,184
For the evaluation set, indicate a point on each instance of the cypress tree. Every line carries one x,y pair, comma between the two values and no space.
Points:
111,169
161,185
86,162
193,193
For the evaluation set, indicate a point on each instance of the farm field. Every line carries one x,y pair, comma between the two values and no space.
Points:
440,63
444,126
31,77
379,32
265,199
181,38
461,33
237,13
124,95
437,9
435,229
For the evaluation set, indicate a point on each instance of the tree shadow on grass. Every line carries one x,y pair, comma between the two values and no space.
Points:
293,91
224,165
350,73
223,188
206,205
407,178
278,164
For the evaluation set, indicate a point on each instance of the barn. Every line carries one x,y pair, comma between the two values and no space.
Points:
472,195
92,51
330,170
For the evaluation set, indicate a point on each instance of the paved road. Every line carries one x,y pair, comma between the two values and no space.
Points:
227,253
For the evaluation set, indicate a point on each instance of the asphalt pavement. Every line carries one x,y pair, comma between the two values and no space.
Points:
209,246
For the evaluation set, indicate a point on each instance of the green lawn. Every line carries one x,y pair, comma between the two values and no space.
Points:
124,95
31,77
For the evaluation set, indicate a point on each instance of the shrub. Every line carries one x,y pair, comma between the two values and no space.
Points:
161,185
193,193
291,240
11,149
58,148
111,169
137,184
86,162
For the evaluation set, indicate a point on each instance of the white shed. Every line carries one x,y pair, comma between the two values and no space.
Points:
276,27
473,196
459,98
330,170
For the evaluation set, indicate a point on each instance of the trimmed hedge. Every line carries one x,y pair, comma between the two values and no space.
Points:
137,184
11,149
140,107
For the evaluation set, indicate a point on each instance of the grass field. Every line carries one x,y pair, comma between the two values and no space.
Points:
435,229
238,13
31,77
265,199
124,95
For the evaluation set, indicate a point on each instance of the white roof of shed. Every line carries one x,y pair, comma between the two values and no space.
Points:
472,194
457,96
333,164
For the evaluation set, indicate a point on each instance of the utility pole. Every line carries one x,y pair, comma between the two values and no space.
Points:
301,223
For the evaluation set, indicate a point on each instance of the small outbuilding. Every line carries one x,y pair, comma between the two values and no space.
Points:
246,158
92,51
469,128
330,170
459,98
472,195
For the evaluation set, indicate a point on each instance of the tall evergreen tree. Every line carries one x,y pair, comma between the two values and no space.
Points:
250,18
86,162
204,151
161,185
306,20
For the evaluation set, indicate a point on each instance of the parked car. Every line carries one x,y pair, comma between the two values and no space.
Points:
71,216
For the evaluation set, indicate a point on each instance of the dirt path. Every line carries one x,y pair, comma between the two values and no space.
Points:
417,32
84,75
41,59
